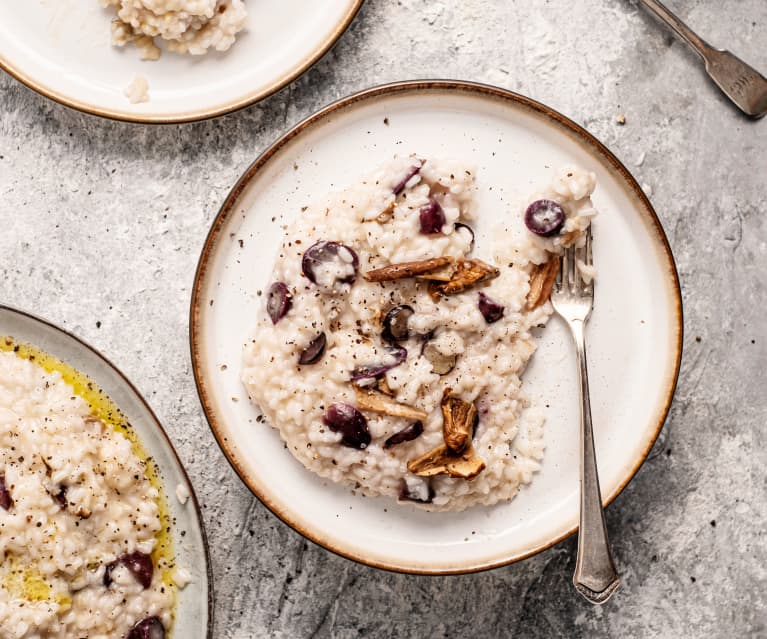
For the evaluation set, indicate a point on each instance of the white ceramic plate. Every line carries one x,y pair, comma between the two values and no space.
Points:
61,48
194,611
634,334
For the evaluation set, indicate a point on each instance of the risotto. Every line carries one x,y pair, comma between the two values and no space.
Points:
186,26
389,350
81,528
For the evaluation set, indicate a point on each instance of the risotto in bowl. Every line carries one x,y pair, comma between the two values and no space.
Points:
390,348
89,539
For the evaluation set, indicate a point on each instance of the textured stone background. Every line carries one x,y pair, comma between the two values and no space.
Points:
103,222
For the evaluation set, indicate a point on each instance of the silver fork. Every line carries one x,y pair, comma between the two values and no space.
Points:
743,84
595,575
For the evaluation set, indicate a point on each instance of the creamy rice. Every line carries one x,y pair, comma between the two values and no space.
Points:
137,90
74,498
381,220
186,26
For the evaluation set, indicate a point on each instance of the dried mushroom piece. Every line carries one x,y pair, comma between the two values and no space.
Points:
442,461
376,402
458,418
444,274
384,216
541,282
441,364
467,274
404,270
434,291
383,386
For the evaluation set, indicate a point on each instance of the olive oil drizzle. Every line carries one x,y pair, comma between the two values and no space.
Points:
105,409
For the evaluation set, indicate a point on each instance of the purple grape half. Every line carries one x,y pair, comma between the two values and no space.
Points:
322,252
347,420
544,218
6,501
61,497
312,353
460,225
278,301
405,435
371,371
400,186
441,364
491,311
432,217
406,495
395,327
139,564
148,628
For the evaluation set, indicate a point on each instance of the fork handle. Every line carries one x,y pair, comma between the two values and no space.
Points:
680,28
595,575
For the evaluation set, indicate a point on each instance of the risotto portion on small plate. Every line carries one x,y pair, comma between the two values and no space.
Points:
85,527
389,348
80,518
163,61
186,26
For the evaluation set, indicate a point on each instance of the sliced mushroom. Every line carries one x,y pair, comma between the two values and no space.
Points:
442,461
384,216
403,270
458,421
376,402
434,291
467,274
444,274
541,282
441,364
383,385
395,323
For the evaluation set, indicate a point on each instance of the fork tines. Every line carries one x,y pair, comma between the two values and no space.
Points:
570,276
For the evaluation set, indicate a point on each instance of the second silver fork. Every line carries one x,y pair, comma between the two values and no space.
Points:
596,577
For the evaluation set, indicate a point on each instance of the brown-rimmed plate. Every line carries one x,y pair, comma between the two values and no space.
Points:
635,334
61,49
193,616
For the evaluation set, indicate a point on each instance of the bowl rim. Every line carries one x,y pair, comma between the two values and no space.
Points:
389,89
124,379
195,115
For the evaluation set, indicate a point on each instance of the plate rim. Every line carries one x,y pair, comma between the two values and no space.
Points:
387,90
193,495
122,115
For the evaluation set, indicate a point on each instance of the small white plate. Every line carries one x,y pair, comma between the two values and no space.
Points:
634,335
61,49
193,617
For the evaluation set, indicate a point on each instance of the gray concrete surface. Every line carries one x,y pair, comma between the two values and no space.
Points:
102,224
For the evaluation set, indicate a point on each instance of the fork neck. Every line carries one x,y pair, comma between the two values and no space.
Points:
680,28
578,329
